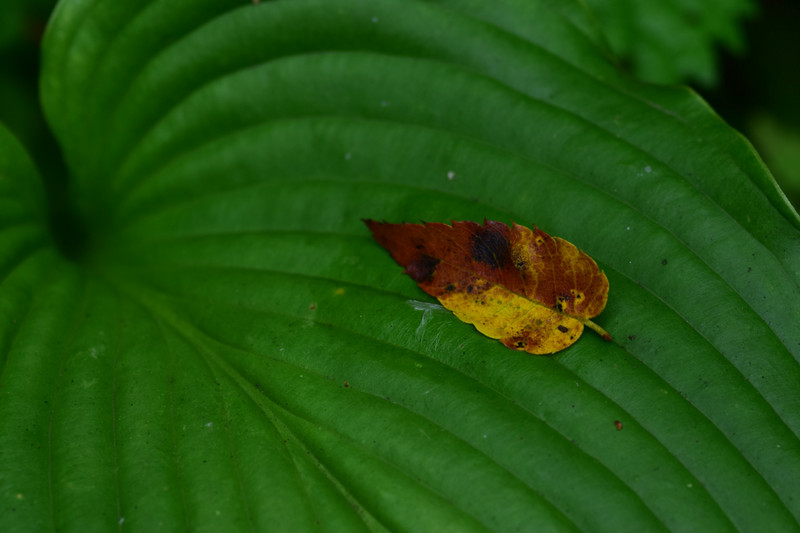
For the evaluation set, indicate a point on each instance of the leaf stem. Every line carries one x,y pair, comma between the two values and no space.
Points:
603,333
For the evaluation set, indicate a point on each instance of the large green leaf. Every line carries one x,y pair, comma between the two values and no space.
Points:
231,350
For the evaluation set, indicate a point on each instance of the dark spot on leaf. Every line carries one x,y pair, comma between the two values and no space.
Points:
663,261
631,337
450,288
422,269
490,247
562,329
618,425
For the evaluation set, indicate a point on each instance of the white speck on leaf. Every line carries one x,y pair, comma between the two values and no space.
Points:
648,169
209,424
426,308
374,20
347,156
451,175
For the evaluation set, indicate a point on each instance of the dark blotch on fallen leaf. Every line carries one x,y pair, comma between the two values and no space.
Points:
422,269
490,247
562,329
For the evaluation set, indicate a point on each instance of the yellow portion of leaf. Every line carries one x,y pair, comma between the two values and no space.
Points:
517,322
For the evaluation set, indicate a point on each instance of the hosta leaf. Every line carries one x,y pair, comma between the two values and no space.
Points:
231,350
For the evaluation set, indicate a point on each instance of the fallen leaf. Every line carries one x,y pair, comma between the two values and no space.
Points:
531,291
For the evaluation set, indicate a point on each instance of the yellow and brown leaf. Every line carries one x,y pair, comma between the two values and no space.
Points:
531,291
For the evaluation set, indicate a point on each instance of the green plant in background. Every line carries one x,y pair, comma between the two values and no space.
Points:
22,23
227,348
672,41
